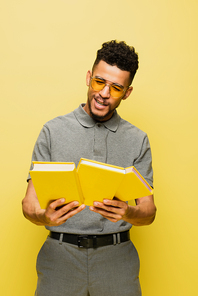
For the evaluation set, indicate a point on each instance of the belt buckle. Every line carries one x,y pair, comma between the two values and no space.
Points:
82,238
84,241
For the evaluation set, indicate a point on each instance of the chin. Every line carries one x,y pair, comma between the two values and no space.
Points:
99,117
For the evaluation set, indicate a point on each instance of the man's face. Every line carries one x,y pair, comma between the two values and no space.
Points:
100,104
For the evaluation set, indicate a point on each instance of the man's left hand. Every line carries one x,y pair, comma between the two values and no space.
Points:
113,210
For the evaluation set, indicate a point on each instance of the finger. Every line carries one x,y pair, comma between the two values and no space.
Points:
122,206
53,214
54,204
101,208
109,207
114,202
112,216
70,214
57,213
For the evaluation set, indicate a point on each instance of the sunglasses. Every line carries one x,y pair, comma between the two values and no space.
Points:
116,90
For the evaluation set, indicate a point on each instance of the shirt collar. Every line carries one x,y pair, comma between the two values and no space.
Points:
87,121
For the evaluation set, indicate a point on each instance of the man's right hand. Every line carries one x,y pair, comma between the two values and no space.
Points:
54,215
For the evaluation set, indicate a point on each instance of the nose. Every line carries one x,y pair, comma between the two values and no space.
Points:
105,92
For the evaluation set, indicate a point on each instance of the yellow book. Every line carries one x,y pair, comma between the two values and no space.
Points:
100,180
55,180
91,181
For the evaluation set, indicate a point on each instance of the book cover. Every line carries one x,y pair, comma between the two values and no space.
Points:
98,180
133,186
56,180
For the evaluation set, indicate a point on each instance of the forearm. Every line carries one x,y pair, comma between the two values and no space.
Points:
31,207
31,215
32,211
141,214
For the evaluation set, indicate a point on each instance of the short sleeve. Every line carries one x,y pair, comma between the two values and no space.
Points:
41,150
143,163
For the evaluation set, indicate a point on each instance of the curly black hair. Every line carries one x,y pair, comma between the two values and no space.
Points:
118,54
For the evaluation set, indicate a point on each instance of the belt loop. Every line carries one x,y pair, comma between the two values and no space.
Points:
114,239
118,237
61,239
94,241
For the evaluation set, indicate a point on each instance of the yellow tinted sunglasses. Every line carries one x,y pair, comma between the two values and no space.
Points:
116,90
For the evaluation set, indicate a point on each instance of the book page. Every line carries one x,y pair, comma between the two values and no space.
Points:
53,167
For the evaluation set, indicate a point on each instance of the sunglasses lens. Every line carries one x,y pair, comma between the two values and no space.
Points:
97,84
116,91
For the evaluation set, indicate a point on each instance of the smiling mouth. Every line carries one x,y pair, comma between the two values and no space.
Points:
100,102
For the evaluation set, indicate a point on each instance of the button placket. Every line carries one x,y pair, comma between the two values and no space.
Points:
100,142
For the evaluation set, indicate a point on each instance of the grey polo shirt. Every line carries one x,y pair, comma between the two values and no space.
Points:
72,136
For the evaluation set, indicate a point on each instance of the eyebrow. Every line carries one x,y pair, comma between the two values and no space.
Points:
114,83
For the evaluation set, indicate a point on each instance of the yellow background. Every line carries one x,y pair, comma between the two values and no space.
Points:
46,48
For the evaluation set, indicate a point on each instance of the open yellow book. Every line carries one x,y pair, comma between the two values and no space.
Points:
91,181
100,180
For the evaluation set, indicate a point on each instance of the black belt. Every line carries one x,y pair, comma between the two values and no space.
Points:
91,241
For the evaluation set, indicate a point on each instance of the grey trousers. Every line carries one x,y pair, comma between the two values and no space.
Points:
66,270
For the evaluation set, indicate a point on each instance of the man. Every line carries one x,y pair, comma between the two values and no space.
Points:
88,250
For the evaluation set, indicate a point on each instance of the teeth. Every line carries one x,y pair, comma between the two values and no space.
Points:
100,103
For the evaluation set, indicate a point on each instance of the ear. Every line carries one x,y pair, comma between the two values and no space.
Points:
88,77
128,92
